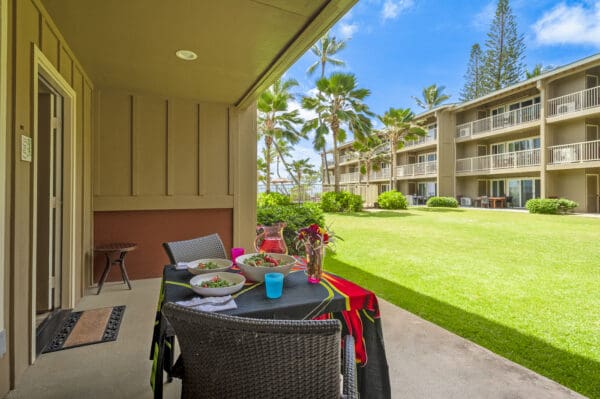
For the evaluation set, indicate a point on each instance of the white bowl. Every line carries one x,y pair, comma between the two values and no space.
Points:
224,264
237,279
257,273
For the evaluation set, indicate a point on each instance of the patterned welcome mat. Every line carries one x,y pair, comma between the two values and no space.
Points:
86,328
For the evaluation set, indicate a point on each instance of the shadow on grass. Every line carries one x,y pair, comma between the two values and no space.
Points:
379,214
574,371
436,210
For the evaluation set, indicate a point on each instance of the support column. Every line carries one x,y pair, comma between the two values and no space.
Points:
541,86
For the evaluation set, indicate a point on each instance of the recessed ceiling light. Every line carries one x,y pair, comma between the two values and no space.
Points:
186,55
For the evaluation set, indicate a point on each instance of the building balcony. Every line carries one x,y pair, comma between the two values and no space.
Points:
518,161
421,142
577,155
352,177
580,103
348,158
417,169
500,123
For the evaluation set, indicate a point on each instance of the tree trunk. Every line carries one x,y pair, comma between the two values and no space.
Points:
287,167
268,141
336,159
326,163
393,145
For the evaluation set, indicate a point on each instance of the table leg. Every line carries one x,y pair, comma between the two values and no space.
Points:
123,270
104,274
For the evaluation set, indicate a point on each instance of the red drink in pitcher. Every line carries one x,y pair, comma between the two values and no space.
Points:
271,239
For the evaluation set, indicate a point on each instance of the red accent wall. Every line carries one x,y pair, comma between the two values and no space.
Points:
149,229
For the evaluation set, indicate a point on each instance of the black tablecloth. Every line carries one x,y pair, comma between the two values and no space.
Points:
333,297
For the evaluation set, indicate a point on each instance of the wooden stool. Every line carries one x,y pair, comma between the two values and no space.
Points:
119,249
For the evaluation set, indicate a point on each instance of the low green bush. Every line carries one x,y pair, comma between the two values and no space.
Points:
392,200
550,206
269,199
343,201
295,216
442,202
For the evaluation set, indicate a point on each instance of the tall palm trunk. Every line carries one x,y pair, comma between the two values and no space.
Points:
285,164
336,157
268,160
394,145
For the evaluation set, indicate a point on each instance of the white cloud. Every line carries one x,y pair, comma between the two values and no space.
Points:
483,18
393,8
348,29
569,24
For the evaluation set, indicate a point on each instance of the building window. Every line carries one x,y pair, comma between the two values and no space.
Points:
427,189
383,188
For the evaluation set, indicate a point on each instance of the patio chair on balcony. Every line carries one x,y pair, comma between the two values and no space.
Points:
205,247
234,357
485,201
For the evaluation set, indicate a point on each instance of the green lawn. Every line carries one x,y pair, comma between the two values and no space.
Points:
524,286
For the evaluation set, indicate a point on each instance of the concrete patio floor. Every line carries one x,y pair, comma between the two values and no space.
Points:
425,360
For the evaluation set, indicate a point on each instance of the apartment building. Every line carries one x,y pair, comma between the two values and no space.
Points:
536,139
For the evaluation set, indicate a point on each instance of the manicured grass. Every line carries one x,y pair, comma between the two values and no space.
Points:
524,286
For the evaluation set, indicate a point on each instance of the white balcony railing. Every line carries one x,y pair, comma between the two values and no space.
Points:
574,102
417,169
349,177
501,121
380,174
421,140
348,157
508,160
574,153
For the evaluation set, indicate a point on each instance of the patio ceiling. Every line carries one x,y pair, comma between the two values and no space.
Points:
240,43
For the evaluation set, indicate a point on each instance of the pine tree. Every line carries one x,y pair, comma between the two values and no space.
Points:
504,51
473,87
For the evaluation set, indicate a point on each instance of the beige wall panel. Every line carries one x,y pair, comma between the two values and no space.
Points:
50,44
571,185
27,32
567,133
183,142
150,145
87,185
66,65
113,145
79,161
567,85
214,144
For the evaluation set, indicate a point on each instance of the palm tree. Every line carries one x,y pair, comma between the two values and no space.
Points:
276,122
301,168
325,49
371,154
432,97
338,104
261,168
536,71
398,128
283,150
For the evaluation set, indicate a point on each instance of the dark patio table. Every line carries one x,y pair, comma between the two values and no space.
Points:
333,297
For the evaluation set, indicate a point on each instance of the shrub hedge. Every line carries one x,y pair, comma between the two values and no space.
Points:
442,202
392,200
269,199
341,202
550,206
295,216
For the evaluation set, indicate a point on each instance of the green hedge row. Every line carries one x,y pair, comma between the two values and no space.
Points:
442,202
341,202
392,200
550,206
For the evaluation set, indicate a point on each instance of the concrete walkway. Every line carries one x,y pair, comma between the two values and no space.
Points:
425,360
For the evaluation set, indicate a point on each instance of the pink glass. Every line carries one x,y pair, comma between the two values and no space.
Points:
235,252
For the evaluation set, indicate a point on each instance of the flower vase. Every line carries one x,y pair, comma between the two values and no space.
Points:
314,263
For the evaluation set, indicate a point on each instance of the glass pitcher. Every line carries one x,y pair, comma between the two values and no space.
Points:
271,239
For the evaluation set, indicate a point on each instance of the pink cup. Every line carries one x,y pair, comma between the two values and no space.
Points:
235,252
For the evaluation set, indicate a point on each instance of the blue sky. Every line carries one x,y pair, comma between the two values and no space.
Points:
397,47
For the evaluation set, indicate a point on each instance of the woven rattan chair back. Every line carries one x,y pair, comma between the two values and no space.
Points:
233,357
198,248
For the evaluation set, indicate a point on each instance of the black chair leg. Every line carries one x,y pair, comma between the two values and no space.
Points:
104,274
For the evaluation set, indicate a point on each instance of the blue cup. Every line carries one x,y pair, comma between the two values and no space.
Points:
274,285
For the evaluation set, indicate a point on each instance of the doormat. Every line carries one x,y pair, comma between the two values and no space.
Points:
86,328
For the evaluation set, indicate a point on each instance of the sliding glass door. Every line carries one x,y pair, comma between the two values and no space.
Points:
522,190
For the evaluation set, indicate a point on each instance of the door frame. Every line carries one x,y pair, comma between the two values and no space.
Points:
3,132
587,197
44,68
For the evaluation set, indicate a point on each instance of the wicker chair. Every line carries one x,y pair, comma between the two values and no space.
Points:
204,247
234,357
